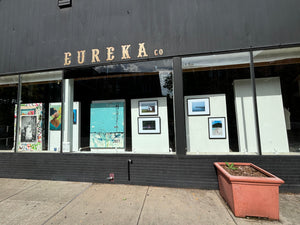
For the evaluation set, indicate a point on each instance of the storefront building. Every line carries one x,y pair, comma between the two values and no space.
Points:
149,92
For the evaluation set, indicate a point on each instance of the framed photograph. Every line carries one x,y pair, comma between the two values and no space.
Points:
149,125
148,108
198,107
217,127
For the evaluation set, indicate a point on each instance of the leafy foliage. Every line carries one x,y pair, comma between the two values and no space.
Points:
230,166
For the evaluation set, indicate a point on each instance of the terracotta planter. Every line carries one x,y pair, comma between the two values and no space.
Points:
250,196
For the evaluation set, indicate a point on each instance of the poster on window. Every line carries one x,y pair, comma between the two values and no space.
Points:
31,132
107,125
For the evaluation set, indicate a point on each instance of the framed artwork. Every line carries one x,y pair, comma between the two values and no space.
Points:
55,116
148,108
74,116
31,127
149,125
107,124
217,127
198,107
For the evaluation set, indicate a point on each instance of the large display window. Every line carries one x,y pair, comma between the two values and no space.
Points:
277,75
215,104
8,100
39,113
121,108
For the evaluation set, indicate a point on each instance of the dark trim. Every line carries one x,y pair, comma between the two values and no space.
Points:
178,104
252,73
62,113
19,99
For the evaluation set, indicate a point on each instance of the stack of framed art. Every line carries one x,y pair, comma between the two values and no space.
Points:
206,123
147,123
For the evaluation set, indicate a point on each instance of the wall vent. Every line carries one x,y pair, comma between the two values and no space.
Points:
64,3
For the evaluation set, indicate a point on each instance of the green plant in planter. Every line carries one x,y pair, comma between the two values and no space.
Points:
230,166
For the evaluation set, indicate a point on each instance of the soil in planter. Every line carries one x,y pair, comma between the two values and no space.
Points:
247,171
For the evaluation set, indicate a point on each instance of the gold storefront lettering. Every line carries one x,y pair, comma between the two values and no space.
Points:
110,54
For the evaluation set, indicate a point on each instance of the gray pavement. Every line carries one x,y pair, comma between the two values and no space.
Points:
32,202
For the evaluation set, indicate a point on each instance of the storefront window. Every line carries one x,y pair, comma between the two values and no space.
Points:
277,75
217,111
8,100
40,112
123,108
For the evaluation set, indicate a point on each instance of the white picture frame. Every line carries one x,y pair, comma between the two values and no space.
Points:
148,108
217,127
198,107
149,125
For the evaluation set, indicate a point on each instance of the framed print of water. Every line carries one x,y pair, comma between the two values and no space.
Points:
217,127
148,108
149,125
198,107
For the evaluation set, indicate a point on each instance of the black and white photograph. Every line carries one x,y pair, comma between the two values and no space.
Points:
28,129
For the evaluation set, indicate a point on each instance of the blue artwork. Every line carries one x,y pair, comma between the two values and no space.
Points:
198,106
107,125
74,116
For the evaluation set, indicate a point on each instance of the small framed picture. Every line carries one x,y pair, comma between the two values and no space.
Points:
149,125
74,116
198,107
217,127
148,108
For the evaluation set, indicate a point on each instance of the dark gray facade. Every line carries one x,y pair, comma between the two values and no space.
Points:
35,35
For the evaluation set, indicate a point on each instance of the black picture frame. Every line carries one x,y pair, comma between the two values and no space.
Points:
217,128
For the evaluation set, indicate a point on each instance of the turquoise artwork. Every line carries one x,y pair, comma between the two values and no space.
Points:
107,125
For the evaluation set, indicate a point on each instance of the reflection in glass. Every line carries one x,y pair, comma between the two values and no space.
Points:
8,100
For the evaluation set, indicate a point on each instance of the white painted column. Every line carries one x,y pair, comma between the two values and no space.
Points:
68,115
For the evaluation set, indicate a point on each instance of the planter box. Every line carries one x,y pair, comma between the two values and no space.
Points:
250,196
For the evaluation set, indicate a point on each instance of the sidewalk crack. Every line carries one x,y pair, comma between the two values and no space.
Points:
76,196
19,192
226,207
142,206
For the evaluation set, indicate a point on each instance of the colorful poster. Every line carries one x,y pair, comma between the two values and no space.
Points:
55,116
30,137
107,124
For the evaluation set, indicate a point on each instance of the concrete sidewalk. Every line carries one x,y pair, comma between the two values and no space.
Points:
34,202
